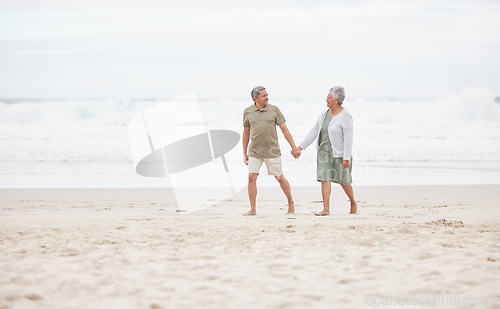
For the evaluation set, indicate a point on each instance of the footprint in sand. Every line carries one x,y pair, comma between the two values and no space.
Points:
33,297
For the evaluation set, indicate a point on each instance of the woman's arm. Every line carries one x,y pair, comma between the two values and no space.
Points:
348,138
313,133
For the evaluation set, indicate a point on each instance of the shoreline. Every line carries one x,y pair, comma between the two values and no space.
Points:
479,201
298,172
156,192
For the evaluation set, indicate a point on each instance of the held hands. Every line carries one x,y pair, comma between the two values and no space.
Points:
296,152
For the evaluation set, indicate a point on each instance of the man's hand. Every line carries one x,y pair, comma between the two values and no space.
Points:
296,152
245,140
345,164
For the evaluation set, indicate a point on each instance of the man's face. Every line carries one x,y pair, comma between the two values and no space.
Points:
263,98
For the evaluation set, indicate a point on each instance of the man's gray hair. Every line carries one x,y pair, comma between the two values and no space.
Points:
256,91
338,93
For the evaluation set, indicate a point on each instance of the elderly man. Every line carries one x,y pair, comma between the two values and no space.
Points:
259,121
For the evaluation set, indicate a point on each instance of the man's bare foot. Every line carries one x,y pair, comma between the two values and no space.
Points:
354,208
251,213
323,213
291,208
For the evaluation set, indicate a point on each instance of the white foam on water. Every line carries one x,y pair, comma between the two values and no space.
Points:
469,105
56,136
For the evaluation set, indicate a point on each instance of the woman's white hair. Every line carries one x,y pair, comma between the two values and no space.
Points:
338,92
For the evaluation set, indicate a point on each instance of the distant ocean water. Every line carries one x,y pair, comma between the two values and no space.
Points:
84,143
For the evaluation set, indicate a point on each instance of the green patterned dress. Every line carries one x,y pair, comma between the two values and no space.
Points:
328,167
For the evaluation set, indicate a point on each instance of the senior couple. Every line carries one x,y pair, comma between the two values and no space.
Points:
333,131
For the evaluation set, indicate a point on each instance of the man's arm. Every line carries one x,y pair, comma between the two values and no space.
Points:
246,139
288,136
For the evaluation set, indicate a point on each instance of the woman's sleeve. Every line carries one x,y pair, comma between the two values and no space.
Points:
348,137
311,136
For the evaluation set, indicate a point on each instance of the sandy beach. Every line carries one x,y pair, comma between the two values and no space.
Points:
417,246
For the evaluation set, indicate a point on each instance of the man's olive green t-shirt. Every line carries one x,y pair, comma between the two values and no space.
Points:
263,136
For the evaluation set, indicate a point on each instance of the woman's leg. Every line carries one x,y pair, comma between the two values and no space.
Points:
350,194
326,190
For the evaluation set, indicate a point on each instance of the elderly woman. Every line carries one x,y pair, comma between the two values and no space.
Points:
334,133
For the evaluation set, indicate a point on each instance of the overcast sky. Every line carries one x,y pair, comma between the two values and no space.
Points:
221,49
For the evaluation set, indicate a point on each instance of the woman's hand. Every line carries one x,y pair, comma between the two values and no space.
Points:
345,164
296,152
245,159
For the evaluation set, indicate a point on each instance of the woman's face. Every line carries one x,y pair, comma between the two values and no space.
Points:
330,101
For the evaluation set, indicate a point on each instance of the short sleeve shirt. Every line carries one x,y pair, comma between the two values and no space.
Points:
263,135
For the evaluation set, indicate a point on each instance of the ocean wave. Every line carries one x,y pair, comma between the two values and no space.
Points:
468,105
110,112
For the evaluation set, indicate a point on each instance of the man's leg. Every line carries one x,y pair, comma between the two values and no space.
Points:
350,194
285,186
326,190
252,193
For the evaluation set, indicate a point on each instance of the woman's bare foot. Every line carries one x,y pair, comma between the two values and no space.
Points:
291,208
323,213
354,208
251,213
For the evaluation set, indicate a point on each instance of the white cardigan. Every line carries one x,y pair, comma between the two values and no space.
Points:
340,132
